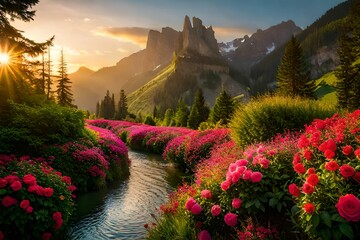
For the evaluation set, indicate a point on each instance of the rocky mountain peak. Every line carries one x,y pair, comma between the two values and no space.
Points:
197,39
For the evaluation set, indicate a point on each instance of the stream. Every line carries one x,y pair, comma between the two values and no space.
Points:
120,212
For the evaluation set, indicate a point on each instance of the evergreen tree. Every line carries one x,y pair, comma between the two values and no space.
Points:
293,76
48,81
223,109
181,114
122,105
169,117
155,112
149,120
113,105
64,94
97,113
199,111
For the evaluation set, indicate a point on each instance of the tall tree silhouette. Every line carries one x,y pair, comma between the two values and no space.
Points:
223,109
293,76
64,94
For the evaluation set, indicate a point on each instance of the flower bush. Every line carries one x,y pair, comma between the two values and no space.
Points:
36,200
326,189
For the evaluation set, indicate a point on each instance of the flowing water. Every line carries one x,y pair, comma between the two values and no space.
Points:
120,212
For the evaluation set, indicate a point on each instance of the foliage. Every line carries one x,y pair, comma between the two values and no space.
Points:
149,120
64,94
293,77
199,111
36,200
181,114
122,110
30,127
169,117
107,106
328,173
223,109
263,118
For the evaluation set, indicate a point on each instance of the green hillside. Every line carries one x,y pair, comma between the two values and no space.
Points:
325,90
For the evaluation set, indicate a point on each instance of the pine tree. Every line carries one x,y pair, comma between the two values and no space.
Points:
293,76
181,114
64,94
169,116
194,118
155,112
48,81
97,113
122,105
201,105
223,109
113,105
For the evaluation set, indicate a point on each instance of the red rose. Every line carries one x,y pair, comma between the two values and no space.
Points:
189,203
256,177
206,194
347,150
331,166
39,190
3,183
58,224
311,171
303,142
66,179
46,236
16,186
313,179
48,192
29,179
299,168
347,171
307,154
309,208
24,203
8,201
348,207
357,152
29,209
307,188
11,178
329,154
57,216
225,185
230,219
356,177
296,159
294,190
2,236
329,144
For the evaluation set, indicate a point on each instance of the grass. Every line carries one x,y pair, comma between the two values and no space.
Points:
325,90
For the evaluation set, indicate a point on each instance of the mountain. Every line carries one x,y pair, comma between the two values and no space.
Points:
319,44
197,63
245,52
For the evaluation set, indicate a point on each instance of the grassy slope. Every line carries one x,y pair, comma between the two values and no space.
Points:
326,88
142,99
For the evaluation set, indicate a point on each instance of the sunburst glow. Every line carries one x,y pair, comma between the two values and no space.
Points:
4,58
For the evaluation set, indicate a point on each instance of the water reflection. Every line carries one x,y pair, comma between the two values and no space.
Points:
122,211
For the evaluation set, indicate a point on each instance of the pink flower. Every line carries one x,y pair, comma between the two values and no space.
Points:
196,209
230,219
247,175
190,203
48,192
242,162
347,150
256,177
29,179
206,194
58,224
309,208
236,202
348,207
24,203
204,235
3,183
331,166
57,216
264,163
66,179
235,177
347,170
16,186
215,210
46,236
294,190
8,201
225,185
29,209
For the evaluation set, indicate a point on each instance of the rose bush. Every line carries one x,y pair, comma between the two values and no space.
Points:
30,195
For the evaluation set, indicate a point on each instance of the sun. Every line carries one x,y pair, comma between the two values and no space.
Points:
4,58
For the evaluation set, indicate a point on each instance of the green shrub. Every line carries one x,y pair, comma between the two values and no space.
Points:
262,119
30,127
36,200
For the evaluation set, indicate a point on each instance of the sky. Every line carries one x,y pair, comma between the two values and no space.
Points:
98,33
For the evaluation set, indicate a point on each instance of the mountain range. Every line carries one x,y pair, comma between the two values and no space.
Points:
175,64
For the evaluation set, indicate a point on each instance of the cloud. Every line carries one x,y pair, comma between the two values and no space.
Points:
230,33
86,20
135,35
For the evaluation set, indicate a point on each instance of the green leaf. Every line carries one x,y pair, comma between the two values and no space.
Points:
294,210
249,204
326,218
325,233
2,191
315,219
346,230
257,203
337,234
272,202
279,206
336,217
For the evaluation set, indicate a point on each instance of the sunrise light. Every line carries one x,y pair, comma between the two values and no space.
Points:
4,58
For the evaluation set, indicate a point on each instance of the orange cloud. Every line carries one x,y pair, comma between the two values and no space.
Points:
135,35
230,33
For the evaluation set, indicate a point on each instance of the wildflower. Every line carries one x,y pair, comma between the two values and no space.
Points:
236,202
309,208
215,210
331,166
294,190
196,209
346,171
206,194
230,219
348,207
